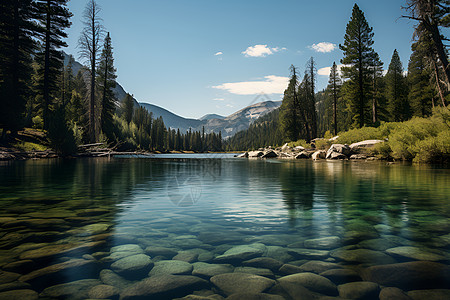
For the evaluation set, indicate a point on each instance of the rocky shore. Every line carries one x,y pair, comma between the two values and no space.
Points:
358,150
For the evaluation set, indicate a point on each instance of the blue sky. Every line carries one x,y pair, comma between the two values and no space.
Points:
195,57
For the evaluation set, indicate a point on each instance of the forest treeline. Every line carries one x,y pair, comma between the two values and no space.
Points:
37,90
359,93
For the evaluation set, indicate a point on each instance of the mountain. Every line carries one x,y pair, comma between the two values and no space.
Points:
211,116
230,125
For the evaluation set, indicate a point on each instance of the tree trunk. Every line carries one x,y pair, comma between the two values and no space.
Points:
92,98
441,94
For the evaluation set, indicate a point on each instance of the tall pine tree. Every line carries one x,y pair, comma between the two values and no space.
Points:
289,118
16,48
53,17
334,88
358,58
107,82
397,90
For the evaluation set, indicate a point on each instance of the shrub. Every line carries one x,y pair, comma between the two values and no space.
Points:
361,134
38,122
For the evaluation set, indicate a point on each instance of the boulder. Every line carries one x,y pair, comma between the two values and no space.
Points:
19,294
319,154
255,271
341,276
134,266
410,275
206,270
311,281
79,268
264,262
359,290
340,150
255,154
362,256
308,253
103,291
414,253
233,283
108,277
299,148
243,155
285,147
355,147
289,269
302,155
163,287
240,253
325,243
435,294
269,154
318,266
76,290
390,293
358,156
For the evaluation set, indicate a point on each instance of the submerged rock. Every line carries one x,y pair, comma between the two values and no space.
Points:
436,294
393,293
103,291
313,282
161,251
108,277
325,243
240,253
79,268
233,283
318,266
22,294
134,266
414,253
410,275
163,287
363,256
206,270
73,290
255,271
264,262
308,253
359,290
341,276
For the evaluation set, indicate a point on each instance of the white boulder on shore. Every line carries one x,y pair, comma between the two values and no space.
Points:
336,151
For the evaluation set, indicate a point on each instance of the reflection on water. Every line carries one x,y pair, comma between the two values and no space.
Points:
119,221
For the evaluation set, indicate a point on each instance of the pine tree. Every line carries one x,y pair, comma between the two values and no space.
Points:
16,48
421,92
311,101
53,17
128,108
90,46
358,58
397,90
379,112
334,88
432,15
107,82
289,119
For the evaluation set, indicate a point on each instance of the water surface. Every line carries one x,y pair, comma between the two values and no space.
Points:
85,215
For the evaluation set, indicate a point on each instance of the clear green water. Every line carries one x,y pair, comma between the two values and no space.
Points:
55,212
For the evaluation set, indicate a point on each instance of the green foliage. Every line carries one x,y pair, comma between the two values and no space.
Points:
60,135
302,143
360,134
38,122
128,108
29,146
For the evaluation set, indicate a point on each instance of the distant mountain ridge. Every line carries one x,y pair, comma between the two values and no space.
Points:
229,126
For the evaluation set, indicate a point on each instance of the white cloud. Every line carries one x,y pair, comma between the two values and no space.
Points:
271,85
218,53
219,99
261,51
323,47
326,71
229,105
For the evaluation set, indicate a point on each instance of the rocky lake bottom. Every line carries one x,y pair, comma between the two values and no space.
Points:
223,229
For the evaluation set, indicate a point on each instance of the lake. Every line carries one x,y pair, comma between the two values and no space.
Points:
213,225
